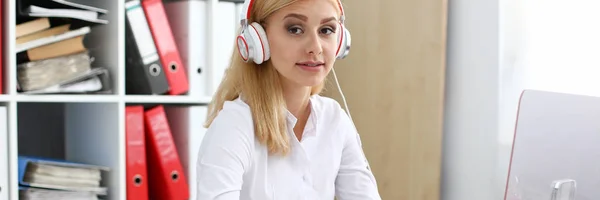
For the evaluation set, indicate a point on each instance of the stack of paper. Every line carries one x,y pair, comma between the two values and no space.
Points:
42,178
39,194
50,37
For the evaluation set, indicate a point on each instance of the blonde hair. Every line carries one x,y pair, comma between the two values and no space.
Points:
261,89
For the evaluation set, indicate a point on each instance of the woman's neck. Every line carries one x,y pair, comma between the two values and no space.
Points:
297,99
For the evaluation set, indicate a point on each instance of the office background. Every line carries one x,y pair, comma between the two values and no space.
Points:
427,82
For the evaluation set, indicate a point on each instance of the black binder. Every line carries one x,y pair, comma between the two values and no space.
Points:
143,70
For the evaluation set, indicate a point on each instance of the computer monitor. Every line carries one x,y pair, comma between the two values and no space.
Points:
556,149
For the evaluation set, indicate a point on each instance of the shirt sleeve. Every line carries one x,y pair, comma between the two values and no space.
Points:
354,180
224,155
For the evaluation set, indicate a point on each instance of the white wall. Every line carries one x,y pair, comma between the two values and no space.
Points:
496,49
472,102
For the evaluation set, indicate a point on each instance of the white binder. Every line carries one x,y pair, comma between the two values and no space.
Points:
4,189
226,25
191,29
188,132
189,24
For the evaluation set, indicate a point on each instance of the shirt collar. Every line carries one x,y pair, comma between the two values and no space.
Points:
311,124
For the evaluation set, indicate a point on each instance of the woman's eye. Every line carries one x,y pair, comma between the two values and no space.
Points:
327,31
295,30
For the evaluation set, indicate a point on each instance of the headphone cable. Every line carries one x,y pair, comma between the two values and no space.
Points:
342,94
349,115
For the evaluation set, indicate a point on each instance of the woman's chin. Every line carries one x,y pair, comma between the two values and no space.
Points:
311,82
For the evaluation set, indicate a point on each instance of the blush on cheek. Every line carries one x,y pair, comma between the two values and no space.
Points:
330,49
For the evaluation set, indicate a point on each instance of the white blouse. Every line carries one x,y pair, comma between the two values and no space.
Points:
328,162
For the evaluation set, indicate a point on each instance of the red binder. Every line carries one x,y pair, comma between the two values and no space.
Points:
137,178
3,31
166,46
167,178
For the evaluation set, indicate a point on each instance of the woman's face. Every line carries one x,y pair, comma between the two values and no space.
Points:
303,40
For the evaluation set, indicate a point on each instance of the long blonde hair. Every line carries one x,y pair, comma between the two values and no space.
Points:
261,89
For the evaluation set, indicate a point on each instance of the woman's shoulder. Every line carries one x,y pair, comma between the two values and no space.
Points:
234,117
236,109
229,141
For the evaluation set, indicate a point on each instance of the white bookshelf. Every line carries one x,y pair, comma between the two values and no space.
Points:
91,128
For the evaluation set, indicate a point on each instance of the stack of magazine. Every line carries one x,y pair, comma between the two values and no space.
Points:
52,56
43,178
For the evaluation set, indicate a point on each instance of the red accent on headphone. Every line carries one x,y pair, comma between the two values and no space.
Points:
341,39
246,46
261,42
249,9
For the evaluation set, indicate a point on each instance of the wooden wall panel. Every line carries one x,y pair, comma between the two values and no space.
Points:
393,81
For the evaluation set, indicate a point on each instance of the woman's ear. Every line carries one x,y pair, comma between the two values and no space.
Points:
263,24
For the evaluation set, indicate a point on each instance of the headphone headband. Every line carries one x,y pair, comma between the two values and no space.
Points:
253,45
245,14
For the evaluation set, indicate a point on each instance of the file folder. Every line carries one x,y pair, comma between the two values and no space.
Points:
79,13
2,56
3,153
167,180
31,27
48,40
68,4
34,193
67,168
144,71
137,175
189,23
167,48
188,134
227,31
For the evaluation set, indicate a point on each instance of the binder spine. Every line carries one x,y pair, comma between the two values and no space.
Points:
166,46
4,189
137,175
189,23
144,72
167,178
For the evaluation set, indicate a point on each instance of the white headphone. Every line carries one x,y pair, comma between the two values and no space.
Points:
253,45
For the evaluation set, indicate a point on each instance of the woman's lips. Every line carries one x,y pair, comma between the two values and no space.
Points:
312,66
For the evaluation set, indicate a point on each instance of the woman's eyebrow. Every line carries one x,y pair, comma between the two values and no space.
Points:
296,15
305,18
328,20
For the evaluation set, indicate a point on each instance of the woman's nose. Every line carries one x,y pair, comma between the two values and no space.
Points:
314,44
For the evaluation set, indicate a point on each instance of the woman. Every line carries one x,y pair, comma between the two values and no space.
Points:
270,134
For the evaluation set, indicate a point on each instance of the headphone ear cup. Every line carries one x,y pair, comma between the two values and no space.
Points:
260,45
243,47
344,43
263,39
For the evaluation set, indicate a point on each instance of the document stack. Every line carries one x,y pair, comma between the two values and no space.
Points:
52,55
42,178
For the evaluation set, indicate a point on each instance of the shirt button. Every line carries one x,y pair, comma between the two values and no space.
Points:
306,179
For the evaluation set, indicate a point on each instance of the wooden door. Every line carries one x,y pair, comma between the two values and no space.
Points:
393,80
